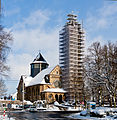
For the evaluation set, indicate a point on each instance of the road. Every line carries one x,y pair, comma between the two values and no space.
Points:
42,115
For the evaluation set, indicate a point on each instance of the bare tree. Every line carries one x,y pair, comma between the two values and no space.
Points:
101,69
5,40
3,89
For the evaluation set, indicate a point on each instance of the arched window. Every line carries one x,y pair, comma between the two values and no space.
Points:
56,96
60,98
47,79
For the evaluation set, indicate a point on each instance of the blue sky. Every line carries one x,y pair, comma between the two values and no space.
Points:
35,25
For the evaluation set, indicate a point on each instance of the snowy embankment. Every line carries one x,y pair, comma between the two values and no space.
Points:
100,113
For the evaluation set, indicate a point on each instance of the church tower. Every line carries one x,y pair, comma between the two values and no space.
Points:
38,65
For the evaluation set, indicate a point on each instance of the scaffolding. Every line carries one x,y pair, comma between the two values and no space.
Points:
71,46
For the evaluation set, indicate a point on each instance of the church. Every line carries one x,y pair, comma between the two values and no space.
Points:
44,83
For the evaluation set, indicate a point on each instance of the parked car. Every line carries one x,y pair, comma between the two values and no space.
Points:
32,109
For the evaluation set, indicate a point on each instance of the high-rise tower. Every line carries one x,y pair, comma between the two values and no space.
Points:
71,44
38,65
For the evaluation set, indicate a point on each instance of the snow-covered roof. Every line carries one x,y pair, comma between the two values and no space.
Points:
27,79
39,62
39,78
55,90
28,102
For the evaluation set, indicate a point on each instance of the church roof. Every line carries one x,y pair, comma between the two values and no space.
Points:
39,78
27,79
39,59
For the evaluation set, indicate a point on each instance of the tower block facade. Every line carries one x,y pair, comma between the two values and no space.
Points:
71,44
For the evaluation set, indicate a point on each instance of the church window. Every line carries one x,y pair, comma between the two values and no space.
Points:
44,66
36,65
57,72
47,79
57,83
50,96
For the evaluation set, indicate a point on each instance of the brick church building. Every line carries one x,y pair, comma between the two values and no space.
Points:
44,83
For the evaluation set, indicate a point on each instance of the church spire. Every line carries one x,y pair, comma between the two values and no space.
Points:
40,58
38,64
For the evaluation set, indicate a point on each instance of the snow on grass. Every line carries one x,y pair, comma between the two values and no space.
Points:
77,116
52,108
112,114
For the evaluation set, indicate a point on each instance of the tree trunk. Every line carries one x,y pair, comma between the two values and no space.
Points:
114,99
100,98
110,101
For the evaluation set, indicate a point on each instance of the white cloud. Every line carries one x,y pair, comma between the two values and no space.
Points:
19,65
103,17
108,9
101,24
90,40
36,19
31,41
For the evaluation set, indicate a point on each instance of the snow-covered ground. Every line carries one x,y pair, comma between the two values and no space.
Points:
67,107
52,108
108,114
77,116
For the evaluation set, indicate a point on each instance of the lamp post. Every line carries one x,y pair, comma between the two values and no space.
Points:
23,93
